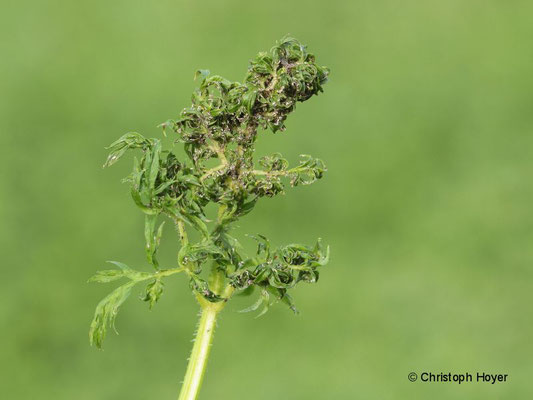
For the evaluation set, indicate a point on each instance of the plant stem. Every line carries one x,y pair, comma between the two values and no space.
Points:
200,353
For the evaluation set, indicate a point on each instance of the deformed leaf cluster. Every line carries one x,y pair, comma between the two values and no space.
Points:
277,271
221,127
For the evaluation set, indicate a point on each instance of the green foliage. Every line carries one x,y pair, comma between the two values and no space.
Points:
154,291
107,309
222,124
106,312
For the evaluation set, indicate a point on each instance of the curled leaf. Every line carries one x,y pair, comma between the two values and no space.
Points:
131,140
201,287
154,291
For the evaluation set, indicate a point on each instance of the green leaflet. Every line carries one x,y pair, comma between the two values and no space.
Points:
203,73
201,287
192,256
266,303
106,276
107,309
264,300
131,140
254,306
154,291
106,313
153,166
152,238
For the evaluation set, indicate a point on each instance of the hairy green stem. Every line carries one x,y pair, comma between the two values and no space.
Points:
200,353
204,338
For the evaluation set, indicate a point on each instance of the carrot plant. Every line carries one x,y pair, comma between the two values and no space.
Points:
218,133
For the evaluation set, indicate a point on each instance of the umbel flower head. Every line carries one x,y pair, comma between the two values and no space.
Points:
221,124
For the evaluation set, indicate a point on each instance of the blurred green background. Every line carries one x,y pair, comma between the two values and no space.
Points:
425,125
